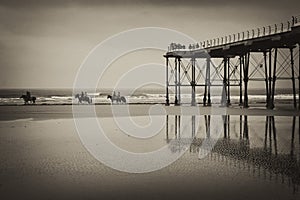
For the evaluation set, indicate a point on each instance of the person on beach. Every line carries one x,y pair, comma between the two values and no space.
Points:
119,95
28,94
82,94
114,93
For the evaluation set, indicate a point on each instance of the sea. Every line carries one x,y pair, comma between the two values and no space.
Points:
141,96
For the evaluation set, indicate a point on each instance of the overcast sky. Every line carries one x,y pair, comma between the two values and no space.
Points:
43,42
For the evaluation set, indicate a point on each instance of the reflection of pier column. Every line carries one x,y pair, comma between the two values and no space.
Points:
193,126
274,135
293,137
245,133
271,129
266,132
167,82
176,126
225,125
167,128
179,133
241,125
207,125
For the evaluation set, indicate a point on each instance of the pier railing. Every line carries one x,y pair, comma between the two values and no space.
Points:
242,36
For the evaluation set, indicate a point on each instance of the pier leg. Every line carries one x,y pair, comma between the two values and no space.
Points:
241,83
205,89
193,84
270,80
224,92
208,82
246,78
167,82
179,82
228,82
299,78
266,78
176,83
274,79
293,77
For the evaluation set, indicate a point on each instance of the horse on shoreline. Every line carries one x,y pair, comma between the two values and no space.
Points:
81,99
117,99
28,99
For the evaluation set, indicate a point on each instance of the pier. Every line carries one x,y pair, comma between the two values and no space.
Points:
267,54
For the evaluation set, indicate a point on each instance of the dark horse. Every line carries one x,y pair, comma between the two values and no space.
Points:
117,99
28,99
83,98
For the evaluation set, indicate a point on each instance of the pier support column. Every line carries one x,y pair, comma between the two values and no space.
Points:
270,80
208,82
224,92
176,84
207,85
193,82
167,82
228,82
241,82
299,82
274,78
293,77
266,78
179,81
246,78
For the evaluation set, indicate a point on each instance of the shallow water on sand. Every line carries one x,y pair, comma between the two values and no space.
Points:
252,157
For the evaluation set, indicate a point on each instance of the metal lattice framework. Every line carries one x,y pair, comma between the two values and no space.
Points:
266,56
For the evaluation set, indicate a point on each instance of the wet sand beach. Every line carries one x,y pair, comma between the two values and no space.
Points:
66,111
42,157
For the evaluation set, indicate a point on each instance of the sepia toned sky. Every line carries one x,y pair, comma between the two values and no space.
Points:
43,43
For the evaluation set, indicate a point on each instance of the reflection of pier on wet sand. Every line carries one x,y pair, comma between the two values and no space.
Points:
235,150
